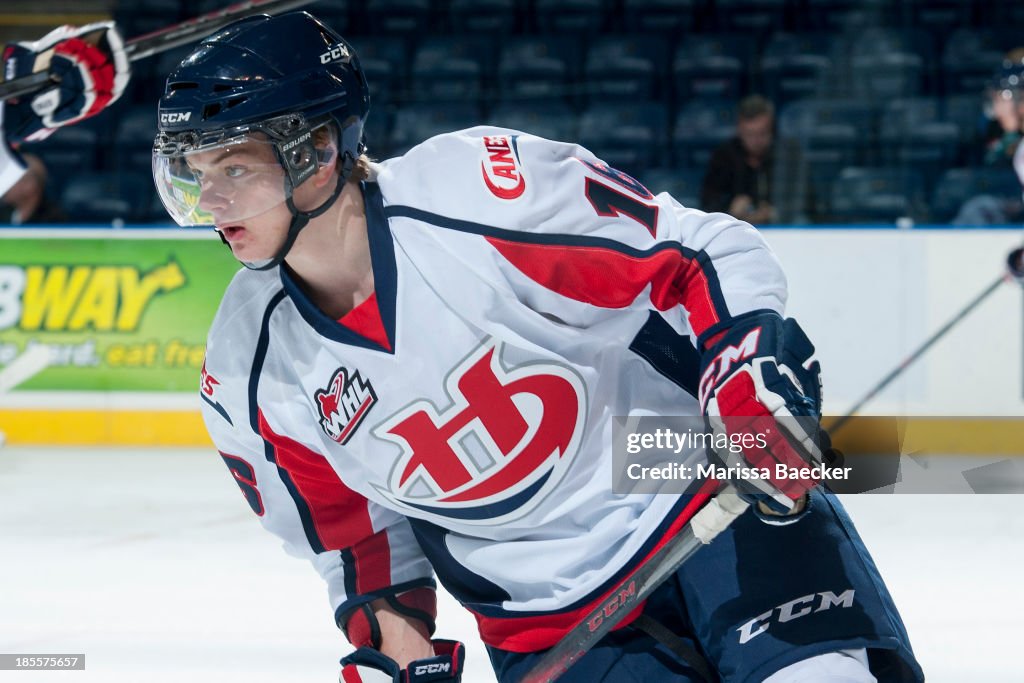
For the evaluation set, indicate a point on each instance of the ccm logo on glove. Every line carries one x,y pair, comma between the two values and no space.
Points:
433,668
720,364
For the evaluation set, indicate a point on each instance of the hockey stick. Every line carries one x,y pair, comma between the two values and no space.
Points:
32,361
707,523
928,343
164,39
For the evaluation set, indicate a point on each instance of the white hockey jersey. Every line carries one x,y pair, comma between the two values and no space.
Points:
526,294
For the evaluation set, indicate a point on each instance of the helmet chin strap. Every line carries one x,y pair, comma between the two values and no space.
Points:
299,221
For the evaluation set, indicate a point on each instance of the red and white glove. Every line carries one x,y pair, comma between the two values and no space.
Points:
761,392
91,69
367,665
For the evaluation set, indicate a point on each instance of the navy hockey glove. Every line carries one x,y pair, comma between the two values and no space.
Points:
92,70
761,392
1015,263
367,665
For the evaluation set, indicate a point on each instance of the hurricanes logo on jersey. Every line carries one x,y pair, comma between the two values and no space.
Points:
344,404
502,172
505,439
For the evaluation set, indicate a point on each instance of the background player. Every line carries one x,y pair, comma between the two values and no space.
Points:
1008,103
419,365
92,69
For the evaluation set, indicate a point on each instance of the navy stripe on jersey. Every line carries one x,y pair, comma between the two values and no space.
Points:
382,254
262,344
468,587
668,352
218,407
488,511
700,258
348,564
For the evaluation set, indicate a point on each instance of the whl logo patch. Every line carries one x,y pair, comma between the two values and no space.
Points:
506,437
502,172
344,404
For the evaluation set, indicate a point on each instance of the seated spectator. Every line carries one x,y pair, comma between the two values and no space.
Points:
754,177
26,202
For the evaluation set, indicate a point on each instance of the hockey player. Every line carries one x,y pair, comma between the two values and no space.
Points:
92,71
418,367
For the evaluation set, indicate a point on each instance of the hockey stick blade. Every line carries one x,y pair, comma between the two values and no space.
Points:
164,39
32,361
707,523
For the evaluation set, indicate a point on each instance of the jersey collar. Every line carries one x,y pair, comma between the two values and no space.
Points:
385,281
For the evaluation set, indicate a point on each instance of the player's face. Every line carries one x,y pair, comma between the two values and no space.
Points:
243,188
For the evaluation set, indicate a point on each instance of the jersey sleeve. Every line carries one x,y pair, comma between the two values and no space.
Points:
572,234
362,550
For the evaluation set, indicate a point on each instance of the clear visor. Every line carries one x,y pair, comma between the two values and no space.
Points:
221,184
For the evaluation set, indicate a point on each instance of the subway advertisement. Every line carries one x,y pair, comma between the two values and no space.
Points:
123,316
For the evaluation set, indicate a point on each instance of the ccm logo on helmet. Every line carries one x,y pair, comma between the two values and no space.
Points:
336,53
175,117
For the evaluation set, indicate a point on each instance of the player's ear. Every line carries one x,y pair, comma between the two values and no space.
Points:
326,145
327,167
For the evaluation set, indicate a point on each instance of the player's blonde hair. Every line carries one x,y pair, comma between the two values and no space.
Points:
361,170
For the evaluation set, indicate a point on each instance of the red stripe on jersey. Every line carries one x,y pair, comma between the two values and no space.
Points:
350,674
341,516
611,279
365,321
530,634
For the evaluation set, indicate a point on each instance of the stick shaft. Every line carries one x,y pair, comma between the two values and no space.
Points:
707,523
917,353
164,39
199,27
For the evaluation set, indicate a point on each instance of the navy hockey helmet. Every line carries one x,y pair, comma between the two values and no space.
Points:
272,80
